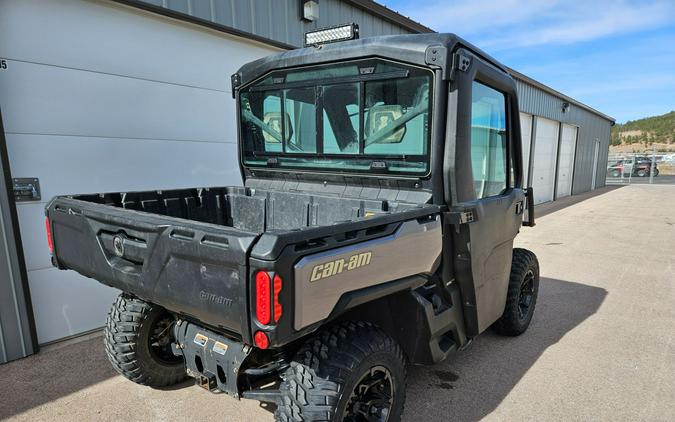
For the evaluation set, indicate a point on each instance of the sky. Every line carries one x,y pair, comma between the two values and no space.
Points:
617,56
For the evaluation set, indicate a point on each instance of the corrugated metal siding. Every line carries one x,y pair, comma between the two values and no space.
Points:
279,20
592,127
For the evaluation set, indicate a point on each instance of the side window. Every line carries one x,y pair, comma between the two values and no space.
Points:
488,140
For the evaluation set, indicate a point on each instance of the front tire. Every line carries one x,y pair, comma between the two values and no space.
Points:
522,294
351,371
138,337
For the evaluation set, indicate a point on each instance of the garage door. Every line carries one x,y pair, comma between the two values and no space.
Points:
119,99
568,144
526,136
543,167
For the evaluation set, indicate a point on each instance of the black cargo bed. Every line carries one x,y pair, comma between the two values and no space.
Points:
188,249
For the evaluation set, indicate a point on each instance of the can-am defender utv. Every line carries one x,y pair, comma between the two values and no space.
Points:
382,194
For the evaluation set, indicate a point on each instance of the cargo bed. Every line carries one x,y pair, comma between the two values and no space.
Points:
188,249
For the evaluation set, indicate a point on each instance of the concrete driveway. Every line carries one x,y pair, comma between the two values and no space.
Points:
601,346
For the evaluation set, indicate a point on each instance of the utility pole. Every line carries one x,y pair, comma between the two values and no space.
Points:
651,169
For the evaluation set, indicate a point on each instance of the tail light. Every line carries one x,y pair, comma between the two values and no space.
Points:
277,289
267,290
50,242
262,297
261,340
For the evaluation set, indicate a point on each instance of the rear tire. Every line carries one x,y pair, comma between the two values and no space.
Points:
347,371
522,294
138,337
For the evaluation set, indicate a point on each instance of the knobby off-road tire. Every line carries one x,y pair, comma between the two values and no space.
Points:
522,294
341,373
138,338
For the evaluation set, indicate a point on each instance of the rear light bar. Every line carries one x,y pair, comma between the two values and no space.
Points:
50,241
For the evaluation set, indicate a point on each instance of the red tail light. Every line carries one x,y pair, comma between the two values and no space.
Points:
261,340
262,297
50,242
277,305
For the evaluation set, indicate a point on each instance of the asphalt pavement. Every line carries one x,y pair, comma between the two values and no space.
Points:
601,345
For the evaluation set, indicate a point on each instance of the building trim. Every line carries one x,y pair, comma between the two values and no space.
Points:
165,11
22,299
389,15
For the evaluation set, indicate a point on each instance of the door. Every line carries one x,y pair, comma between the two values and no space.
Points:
595,164
545,151
526,137
568,145
485,174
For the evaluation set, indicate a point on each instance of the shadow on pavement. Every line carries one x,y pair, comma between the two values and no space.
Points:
550,207
471,384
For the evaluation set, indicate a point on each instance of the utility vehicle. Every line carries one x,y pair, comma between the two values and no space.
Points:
374,229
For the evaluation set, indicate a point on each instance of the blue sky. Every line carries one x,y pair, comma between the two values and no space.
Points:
615,56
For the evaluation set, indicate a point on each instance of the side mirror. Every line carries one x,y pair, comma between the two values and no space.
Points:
529,204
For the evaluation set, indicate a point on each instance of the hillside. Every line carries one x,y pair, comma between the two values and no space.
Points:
659,130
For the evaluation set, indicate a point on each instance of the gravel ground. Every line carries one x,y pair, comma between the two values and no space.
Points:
601,345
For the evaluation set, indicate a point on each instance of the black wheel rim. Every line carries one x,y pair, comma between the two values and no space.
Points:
526,297
161,338
372,398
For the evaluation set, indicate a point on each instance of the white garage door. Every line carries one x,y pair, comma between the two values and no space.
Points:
103,97
568,144
545,150
526,139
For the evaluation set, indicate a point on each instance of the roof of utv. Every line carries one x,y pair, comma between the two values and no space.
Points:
411,48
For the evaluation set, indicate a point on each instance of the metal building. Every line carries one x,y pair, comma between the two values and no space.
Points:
104,95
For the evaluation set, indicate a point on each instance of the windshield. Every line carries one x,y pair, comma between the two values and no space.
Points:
365,116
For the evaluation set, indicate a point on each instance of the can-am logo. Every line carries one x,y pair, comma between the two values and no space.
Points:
337,266
212,297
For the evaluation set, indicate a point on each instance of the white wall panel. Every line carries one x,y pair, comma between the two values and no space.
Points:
545,151
100,97
66,303
69,165
526,139
126,168
568,142
102,36
53,100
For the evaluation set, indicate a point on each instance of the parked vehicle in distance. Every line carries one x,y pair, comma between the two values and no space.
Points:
640,166
382,195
